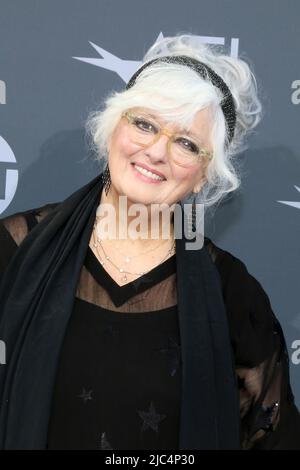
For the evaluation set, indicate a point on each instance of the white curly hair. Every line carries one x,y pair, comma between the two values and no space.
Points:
177,93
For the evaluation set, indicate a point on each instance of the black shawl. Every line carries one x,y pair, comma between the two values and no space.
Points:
36,298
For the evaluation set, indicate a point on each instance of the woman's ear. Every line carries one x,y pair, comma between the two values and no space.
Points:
108,144
199,185
197,188
203,180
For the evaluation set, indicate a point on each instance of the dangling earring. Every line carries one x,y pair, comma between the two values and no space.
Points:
106,179
191,219
194,214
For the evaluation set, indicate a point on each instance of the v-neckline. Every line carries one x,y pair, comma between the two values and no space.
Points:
120,294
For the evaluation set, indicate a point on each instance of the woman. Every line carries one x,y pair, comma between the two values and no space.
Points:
120,342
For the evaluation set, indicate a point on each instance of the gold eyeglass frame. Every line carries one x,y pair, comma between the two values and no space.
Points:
164,131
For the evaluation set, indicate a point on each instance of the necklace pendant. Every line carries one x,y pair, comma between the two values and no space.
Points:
124,278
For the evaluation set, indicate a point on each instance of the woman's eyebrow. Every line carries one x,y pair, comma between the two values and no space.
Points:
192,134
183,131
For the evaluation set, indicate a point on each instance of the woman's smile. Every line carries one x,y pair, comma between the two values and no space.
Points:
145,175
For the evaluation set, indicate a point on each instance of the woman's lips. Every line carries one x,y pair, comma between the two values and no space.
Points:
145,178
152,170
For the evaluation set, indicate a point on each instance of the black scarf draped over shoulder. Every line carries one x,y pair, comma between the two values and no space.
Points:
36,298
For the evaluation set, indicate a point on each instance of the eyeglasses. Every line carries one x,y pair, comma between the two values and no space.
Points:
145,131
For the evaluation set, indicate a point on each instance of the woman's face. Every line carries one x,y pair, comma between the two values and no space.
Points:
124,156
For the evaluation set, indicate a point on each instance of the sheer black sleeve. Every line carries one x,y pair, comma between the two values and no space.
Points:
269,417
13,230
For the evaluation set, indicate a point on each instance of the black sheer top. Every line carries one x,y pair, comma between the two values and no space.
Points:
118,380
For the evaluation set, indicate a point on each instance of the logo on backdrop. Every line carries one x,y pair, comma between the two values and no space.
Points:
125,68
292,203
8,175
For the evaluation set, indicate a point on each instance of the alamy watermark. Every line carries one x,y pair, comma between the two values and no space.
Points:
136,222
296,354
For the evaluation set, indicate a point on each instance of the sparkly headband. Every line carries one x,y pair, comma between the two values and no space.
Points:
228,106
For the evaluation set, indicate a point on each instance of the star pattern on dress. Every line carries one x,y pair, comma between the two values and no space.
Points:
151,418
104,444
172,352
86,395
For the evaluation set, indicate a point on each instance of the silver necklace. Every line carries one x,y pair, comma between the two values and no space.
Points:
126,257
97,242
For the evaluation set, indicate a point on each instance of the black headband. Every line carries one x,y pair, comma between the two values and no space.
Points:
204,70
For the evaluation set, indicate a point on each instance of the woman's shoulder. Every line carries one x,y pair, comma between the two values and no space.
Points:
15,227
234,274
251,319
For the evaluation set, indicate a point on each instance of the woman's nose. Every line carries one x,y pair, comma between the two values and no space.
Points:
159,149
